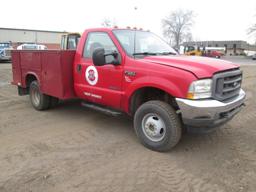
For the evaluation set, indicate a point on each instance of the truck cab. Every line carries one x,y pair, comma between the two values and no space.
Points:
69,41
134,72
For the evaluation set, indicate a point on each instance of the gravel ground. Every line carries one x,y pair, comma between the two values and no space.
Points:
71,148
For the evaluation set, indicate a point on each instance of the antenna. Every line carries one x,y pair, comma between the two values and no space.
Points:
135,29
135,13
134,51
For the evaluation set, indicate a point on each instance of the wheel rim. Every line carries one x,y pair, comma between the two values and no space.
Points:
35,94
153,127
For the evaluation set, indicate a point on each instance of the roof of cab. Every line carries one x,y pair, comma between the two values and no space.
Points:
108,29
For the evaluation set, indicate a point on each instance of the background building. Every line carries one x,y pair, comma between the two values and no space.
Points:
51,39
231,47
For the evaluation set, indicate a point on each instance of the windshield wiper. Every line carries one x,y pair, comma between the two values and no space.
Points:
154,53
144,53
167,53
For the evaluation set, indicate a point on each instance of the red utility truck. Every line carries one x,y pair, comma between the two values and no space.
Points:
213,53
135,72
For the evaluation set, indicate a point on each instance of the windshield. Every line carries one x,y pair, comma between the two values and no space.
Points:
29,47
142,43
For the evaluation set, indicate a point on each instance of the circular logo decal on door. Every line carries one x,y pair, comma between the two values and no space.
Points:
91,75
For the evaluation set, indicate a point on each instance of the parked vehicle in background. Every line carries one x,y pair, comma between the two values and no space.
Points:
5,51
134,72
211,53
193,51
254,57
31,46
215,52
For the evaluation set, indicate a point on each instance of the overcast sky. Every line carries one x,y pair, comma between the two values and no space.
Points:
215,19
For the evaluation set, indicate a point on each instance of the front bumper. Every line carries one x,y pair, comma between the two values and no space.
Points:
209,113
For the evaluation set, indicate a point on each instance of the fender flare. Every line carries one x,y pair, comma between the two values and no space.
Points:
154,82
31,73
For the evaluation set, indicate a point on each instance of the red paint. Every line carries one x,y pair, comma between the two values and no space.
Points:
58,74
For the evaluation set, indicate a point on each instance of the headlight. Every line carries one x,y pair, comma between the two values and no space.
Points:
200,89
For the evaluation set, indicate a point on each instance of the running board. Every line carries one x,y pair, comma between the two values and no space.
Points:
101,109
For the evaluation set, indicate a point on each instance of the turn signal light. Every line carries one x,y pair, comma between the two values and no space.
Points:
190,95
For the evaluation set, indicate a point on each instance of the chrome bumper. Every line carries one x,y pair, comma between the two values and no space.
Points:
209,113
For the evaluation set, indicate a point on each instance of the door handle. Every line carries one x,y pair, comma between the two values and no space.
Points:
79,68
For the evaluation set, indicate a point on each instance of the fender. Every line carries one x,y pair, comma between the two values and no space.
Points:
155,82
25,77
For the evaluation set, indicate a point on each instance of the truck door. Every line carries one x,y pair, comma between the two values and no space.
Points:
102,84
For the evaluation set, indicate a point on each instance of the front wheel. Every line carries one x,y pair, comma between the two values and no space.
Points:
38,100
157,125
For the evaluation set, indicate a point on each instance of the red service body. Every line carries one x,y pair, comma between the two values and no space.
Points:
52,68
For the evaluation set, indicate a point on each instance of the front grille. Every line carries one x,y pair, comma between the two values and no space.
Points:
227,84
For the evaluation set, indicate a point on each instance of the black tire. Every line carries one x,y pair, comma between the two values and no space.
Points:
172,124
54,101
38,100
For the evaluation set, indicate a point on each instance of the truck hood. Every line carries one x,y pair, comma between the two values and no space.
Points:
201,67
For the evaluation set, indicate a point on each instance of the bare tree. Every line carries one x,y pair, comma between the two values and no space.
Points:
177,26
107,23
252,30
188,37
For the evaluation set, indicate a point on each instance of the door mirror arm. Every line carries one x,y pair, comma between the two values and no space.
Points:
99,57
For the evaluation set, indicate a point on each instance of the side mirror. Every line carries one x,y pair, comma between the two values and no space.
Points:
98,57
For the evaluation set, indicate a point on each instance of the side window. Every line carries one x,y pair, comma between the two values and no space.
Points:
63,41
72,44
98,40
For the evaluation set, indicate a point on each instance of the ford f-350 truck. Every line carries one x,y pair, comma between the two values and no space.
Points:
137,73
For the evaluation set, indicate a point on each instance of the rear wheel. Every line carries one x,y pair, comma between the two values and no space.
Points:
157,125
38,100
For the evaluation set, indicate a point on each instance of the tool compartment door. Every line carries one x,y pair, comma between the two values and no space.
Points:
57,73
16,68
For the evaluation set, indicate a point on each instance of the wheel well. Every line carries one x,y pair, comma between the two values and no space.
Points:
145,94
29,79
